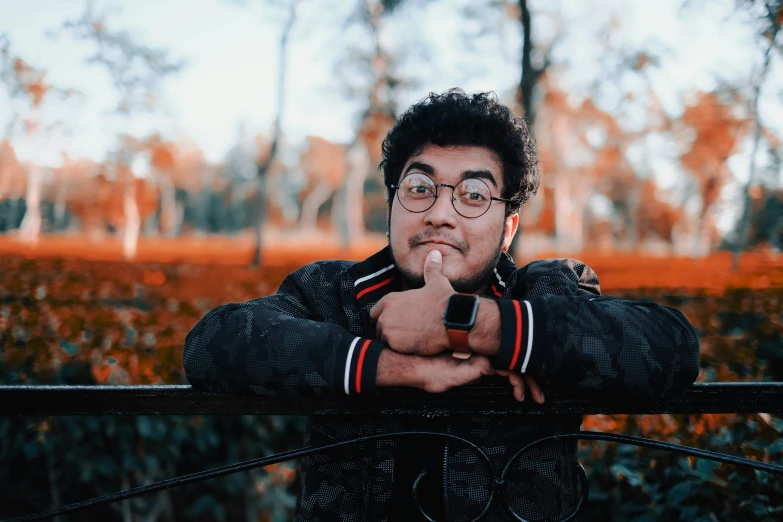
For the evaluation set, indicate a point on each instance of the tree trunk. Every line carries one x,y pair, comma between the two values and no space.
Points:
308,220
263,167
530,74
130,235
359,166
59,208
169,212
527,86
30,229
260,220
744,223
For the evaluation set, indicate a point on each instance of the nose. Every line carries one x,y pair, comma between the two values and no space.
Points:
442,213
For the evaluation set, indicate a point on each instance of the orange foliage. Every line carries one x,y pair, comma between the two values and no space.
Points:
710,275
324,162
641,60
99,200
545,219
655,214
182,162
12,178
162,156
31,81
374,128
718,131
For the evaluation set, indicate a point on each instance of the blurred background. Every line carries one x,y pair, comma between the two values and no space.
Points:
160,158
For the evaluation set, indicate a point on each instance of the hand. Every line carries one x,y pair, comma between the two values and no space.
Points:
440,373
411,322
518,383
443,372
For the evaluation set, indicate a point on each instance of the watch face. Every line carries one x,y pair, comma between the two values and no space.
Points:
461,310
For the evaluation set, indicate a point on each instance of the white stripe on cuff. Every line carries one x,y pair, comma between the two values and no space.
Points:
379,272
348,367
529,335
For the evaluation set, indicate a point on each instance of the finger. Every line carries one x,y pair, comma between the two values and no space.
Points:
375,311
518,384
535,389
433,266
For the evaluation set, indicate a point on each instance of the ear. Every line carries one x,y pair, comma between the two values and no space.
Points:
511,225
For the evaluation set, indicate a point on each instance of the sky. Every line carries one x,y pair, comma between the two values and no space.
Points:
230,52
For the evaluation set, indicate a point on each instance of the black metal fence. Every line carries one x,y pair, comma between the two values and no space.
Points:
486,400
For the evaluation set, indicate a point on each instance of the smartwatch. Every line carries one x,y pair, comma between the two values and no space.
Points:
459,318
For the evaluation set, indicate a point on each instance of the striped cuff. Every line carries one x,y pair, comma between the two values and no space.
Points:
361,366
516,344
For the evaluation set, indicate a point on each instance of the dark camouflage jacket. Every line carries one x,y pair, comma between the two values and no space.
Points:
315,337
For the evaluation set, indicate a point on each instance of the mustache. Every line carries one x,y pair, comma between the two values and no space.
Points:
429,235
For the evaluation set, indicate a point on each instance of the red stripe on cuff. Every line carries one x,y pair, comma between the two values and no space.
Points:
359,365
374,287
518,341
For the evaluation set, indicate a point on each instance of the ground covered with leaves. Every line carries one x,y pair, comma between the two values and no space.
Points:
103,322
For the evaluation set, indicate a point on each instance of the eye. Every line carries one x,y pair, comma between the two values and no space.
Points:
472,192
418,186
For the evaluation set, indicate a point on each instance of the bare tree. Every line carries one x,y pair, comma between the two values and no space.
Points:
136,72
530,73
378,84
267,158
773,13
28,90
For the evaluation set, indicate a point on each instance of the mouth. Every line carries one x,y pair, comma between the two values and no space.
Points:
434,242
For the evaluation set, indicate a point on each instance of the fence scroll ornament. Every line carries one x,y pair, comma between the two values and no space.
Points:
495,478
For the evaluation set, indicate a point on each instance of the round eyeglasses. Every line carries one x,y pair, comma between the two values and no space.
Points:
471,197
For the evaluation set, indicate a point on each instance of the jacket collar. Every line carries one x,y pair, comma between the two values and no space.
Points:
375,277
505,277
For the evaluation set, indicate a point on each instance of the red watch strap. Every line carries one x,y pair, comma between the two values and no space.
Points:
458,339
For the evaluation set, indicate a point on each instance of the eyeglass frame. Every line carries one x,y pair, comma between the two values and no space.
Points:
453,199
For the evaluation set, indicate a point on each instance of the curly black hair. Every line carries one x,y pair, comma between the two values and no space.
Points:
457,118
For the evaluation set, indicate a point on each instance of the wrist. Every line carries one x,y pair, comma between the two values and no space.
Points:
397,369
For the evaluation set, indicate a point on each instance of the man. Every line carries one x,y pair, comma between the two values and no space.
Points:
457,169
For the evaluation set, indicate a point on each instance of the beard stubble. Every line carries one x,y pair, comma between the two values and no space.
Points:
472,284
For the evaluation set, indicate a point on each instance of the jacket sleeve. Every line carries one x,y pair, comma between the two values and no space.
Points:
562,330
280,345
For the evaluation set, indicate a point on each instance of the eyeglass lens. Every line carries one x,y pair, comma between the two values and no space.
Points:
417,193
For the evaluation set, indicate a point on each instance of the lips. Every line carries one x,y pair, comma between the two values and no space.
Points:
438,243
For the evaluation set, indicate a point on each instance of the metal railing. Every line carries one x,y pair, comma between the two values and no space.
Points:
701,398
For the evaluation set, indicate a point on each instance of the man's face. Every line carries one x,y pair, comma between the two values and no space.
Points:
470,246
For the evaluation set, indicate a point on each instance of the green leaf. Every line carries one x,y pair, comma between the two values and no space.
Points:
688,513
633,478
649,516
776,447
144,426
706,467
678,494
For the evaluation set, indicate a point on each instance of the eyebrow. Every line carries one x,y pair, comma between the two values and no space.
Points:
467,174
479,174
418,165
